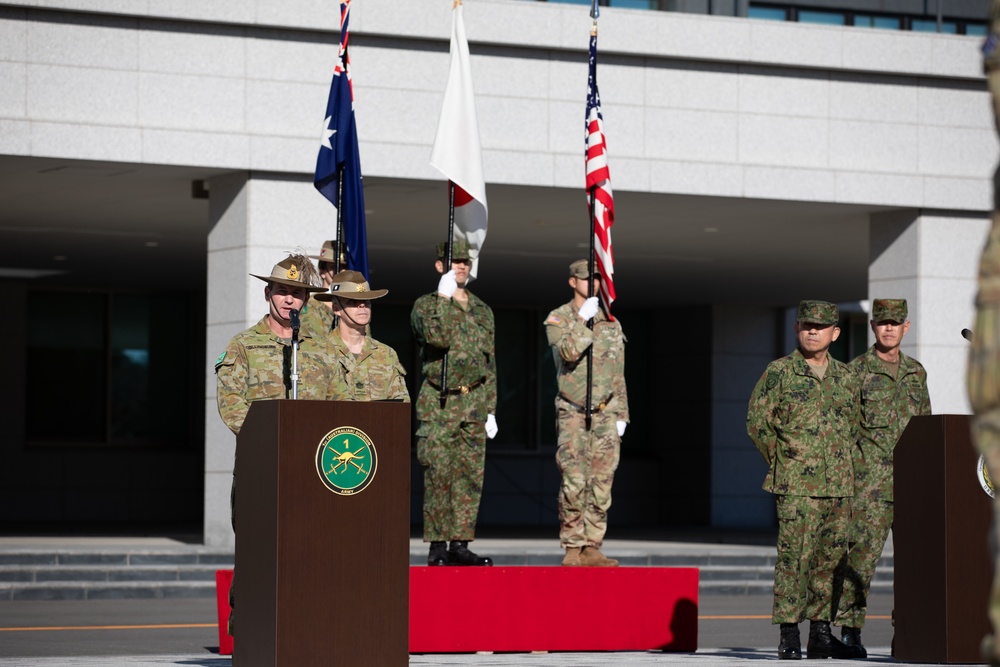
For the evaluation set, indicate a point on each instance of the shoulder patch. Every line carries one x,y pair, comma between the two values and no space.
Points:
221,357
772,380
553,319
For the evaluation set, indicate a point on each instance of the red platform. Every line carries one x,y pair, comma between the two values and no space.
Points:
540,609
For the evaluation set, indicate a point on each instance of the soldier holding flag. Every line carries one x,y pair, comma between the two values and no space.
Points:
587,455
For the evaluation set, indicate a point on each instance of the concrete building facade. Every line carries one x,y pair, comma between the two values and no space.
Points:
754,163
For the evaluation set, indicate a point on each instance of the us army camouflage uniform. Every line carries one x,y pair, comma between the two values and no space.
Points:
887,404
374,375
983,375
805,429
316,319
451,442
587,460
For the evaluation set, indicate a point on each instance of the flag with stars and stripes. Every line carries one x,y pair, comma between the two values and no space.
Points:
599,184
338,153
457,153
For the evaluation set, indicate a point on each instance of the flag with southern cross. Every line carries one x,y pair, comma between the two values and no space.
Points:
339,160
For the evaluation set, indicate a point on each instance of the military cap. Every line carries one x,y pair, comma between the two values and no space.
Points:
892,310
460,250
328,252
578,269
289,271
351,285
818,312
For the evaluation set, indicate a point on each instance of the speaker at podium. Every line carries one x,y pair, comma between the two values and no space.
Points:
942,568
322,534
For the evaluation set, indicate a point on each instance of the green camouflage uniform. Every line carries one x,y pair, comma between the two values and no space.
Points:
983,375
316,319
887,404
587,460
805,429
451,442
374,375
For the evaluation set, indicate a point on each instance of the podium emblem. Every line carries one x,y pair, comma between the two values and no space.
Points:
346,460
984,477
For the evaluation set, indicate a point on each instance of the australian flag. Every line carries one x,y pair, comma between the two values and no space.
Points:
338,152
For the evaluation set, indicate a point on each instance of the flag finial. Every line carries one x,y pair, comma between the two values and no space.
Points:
595,11
456,4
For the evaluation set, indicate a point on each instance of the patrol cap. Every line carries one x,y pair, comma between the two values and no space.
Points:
818,312
578,269
460,250
892,310
290,271
351,285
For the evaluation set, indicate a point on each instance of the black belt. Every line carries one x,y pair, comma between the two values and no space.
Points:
461,389
597,408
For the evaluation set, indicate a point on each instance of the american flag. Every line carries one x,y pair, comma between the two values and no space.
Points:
599,183
339,151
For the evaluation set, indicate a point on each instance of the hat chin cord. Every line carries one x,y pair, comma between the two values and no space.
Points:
344,311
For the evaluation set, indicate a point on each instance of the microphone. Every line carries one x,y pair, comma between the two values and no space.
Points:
967,334
293,315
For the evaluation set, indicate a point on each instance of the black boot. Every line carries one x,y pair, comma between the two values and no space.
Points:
438,554
790,646
822,643
851,638
459,554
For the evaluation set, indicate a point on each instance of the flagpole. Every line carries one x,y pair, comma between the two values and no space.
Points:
588,413
340,221
447,267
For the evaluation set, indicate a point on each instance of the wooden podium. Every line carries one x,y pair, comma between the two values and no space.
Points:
322,572
943,571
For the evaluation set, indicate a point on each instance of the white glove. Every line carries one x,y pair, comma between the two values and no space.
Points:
621,427
447,285
491,426
589,308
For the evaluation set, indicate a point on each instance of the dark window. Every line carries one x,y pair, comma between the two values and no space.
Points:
117,368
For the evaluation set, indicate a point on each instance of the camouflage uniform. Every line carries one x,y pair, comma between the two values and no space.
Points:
805,428
374,375
253,368
887,404
587,460
316,319
983,376
451,442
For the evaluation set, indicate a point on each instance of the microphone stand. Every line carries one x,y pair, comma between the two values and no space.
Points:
294,317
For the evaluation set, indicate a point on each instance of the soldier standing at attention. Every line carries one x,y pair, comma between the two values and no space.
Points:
451,439
257,363
587,459
983,377
802,418
893,389
370,370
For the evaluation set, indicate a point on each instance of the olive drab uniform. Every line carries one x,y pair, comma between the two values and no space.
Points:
451,441
983,375
373,375
587,460
805,428
887,403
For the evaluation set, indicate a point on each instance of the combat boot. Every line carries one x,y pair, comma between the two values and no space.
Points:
459,554
572,557
790,646
822,643
851,638
592,557
438,554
